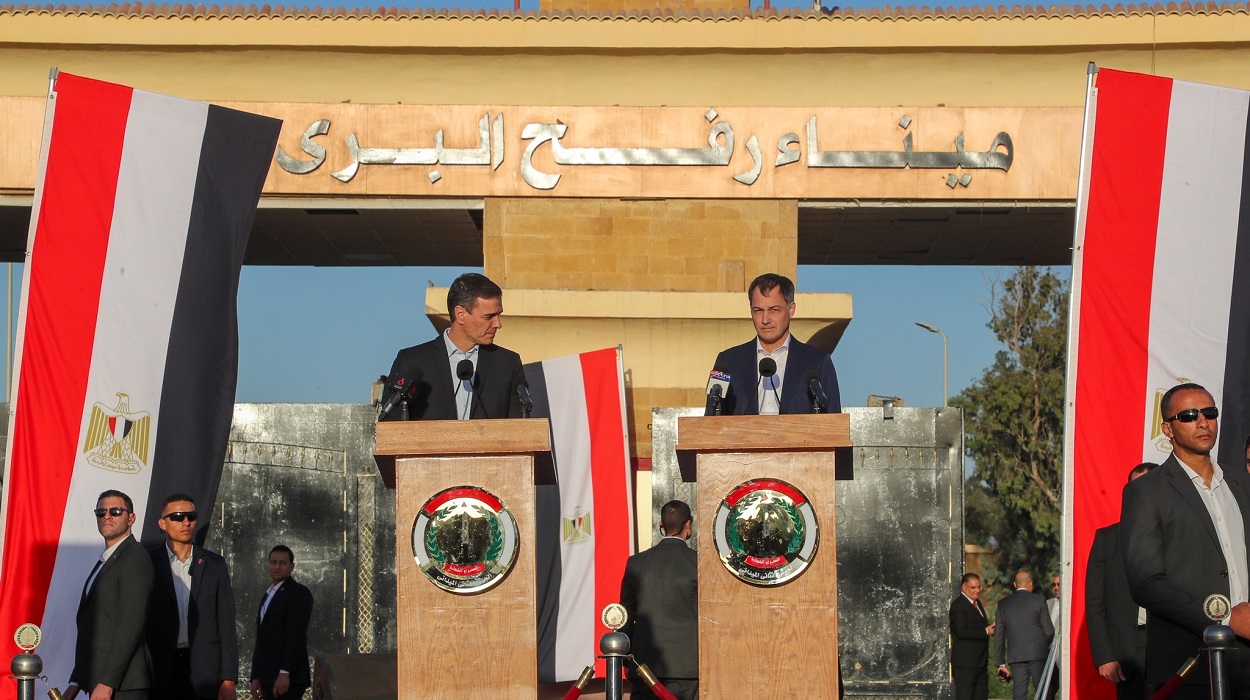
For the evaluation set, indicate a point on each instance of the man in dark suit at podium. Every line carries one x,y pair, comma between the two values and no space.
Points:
461,374
970,641
1117,626
793,375
660,591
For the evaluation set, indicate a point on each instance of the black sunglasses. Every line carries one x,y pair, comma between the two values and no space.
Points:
115,511
182,515
1190,415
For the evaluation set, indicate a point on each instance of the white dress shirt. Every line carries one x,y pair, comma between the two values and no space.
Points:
1229,527
464,388
768,392
181,571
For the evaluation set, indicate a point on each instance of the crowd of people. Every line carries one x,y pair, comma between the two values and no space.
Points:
160,623
1174,564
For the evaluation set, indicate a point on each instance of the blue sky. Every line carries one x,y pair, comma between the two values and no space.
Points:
324,334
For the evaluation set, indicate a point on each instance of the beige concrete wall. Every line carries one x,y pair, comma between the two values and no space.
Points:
610,245
984,59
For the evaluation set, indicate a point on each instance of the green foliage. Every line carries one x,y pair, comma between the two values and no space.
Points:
1013,417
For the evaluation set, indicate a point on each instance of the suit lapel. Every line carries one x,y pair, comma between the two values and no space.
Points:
1241,492
791,383
197,571
1180,482
478,409
440,383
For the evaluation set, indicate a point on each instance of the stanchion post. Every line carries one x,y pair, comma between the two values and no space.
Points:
615,648
1218,639
26,669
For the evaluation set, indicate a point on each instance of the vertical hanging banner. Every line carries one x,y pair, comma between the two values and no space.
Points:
127,347
585,524
1160,295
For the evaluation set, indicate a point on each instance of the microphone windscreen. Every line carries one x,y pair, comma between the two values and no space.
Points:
768,367
464,370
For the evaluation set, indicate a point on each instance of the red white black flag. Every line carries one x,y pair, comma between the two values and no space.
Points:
126,357
1161,295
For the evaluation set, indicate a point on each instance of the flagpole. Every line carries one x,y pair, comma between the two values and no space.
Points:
1069,430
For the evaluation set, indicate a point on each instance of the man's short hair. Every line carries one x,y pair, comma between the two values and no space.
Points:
1247,442
175,497
1143,468
467,289
769,281
114,493
969,578
673,515
283,548
1165,405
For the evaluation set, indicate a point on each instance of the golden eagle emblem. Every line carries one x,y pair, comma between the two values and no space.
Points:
117,438
576,528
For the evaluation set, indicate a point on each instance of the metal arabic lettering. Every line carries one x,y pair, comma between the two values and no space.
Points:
490,152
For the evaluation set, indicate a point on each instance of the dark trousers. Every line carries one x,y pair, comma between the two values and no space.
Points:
179,687
1021,673
970,683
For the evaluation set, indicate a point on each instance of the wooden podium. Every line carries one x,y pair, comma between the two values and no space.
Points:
778,641
483,644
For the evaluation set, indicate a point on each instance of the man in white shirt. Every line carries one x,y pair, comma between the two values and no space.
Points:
1183,531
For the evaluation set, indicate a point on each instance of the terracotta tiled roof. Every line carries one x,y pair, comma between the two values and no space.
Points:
899,12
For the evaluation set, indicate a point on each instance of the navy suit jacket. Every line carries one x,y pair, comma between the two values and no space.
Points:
1173,560
499,373
282,636
744,375
660,592
214,642
110,645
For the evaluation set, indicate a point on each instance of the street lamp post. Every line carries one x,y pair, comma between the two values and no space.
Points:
934,329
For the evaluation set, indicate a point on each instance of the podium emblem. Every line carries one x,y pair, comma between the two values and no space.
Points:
766,532
465,540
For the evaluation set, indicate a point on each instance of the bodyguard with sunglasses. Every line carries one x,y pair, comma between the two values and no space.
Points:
109,658
191,630
1184,530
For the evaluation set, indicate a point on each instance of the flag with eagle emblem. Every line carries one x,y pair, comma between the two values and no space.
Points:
127,347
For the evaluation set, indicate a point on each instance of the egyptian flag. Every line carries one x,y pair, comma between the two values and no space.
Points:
127,342
1160,296
585,527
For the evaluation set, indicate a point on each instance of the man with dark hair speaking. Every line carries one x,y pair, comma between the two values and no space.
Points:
1183,531
660,593
774,372
461,374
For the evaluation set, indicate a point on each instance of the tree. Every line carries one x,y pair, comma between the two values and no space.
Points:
1013,421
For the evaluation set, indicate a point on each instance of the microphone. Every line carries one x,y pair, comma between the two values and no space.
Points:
401,390
527,402
717,389
768,368
816,390
466,373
